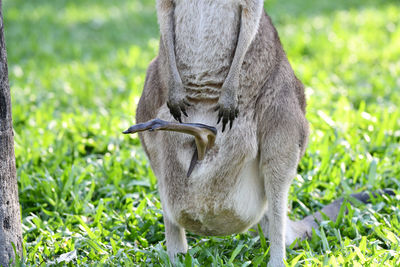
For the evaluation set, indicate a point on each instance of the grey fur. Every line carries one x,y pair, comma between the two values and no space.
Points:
233,60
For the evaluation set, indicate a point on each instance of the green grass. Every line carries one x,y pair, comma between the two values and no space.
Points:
76,72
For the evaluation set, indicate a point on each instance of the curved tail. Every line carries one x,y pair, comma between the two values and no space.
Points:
303,229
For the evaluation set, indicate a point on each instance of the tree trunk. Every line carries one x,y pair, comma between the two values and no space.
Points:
10,218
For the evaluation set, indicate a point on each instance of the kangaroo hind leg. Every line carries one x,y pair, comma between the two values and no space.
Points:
176,239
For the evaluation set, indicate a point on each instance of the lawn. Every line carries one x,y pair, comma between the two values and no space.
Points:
76,72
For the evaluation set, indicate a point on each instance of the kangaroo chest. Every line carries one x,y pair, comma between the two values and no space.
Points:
206,33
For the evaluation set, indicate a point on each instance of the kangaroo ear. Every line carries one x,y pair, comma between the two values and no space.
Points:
204,135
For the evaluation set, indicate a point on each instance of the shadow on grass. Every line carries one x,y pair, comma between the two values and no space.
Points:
64,31
93,28
308,8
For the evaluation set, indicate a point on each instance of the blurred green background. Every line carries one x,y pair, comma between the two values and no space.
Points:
76,71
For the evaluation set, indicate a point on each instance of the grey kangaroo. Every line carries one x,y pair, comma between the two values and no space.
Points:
220,65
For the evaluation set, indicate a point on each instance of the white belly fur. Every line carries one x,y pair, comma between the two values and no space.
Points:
236,211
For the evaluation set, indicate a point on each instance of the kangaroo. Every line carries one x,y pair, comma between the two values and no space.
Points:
221,62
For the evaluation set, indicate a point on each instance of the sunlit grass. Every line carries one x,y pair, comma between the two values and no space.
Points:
76,72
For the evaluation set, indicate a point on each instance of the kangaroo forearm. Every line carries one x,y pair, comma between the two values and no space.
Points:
228,100
165,12
250,19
